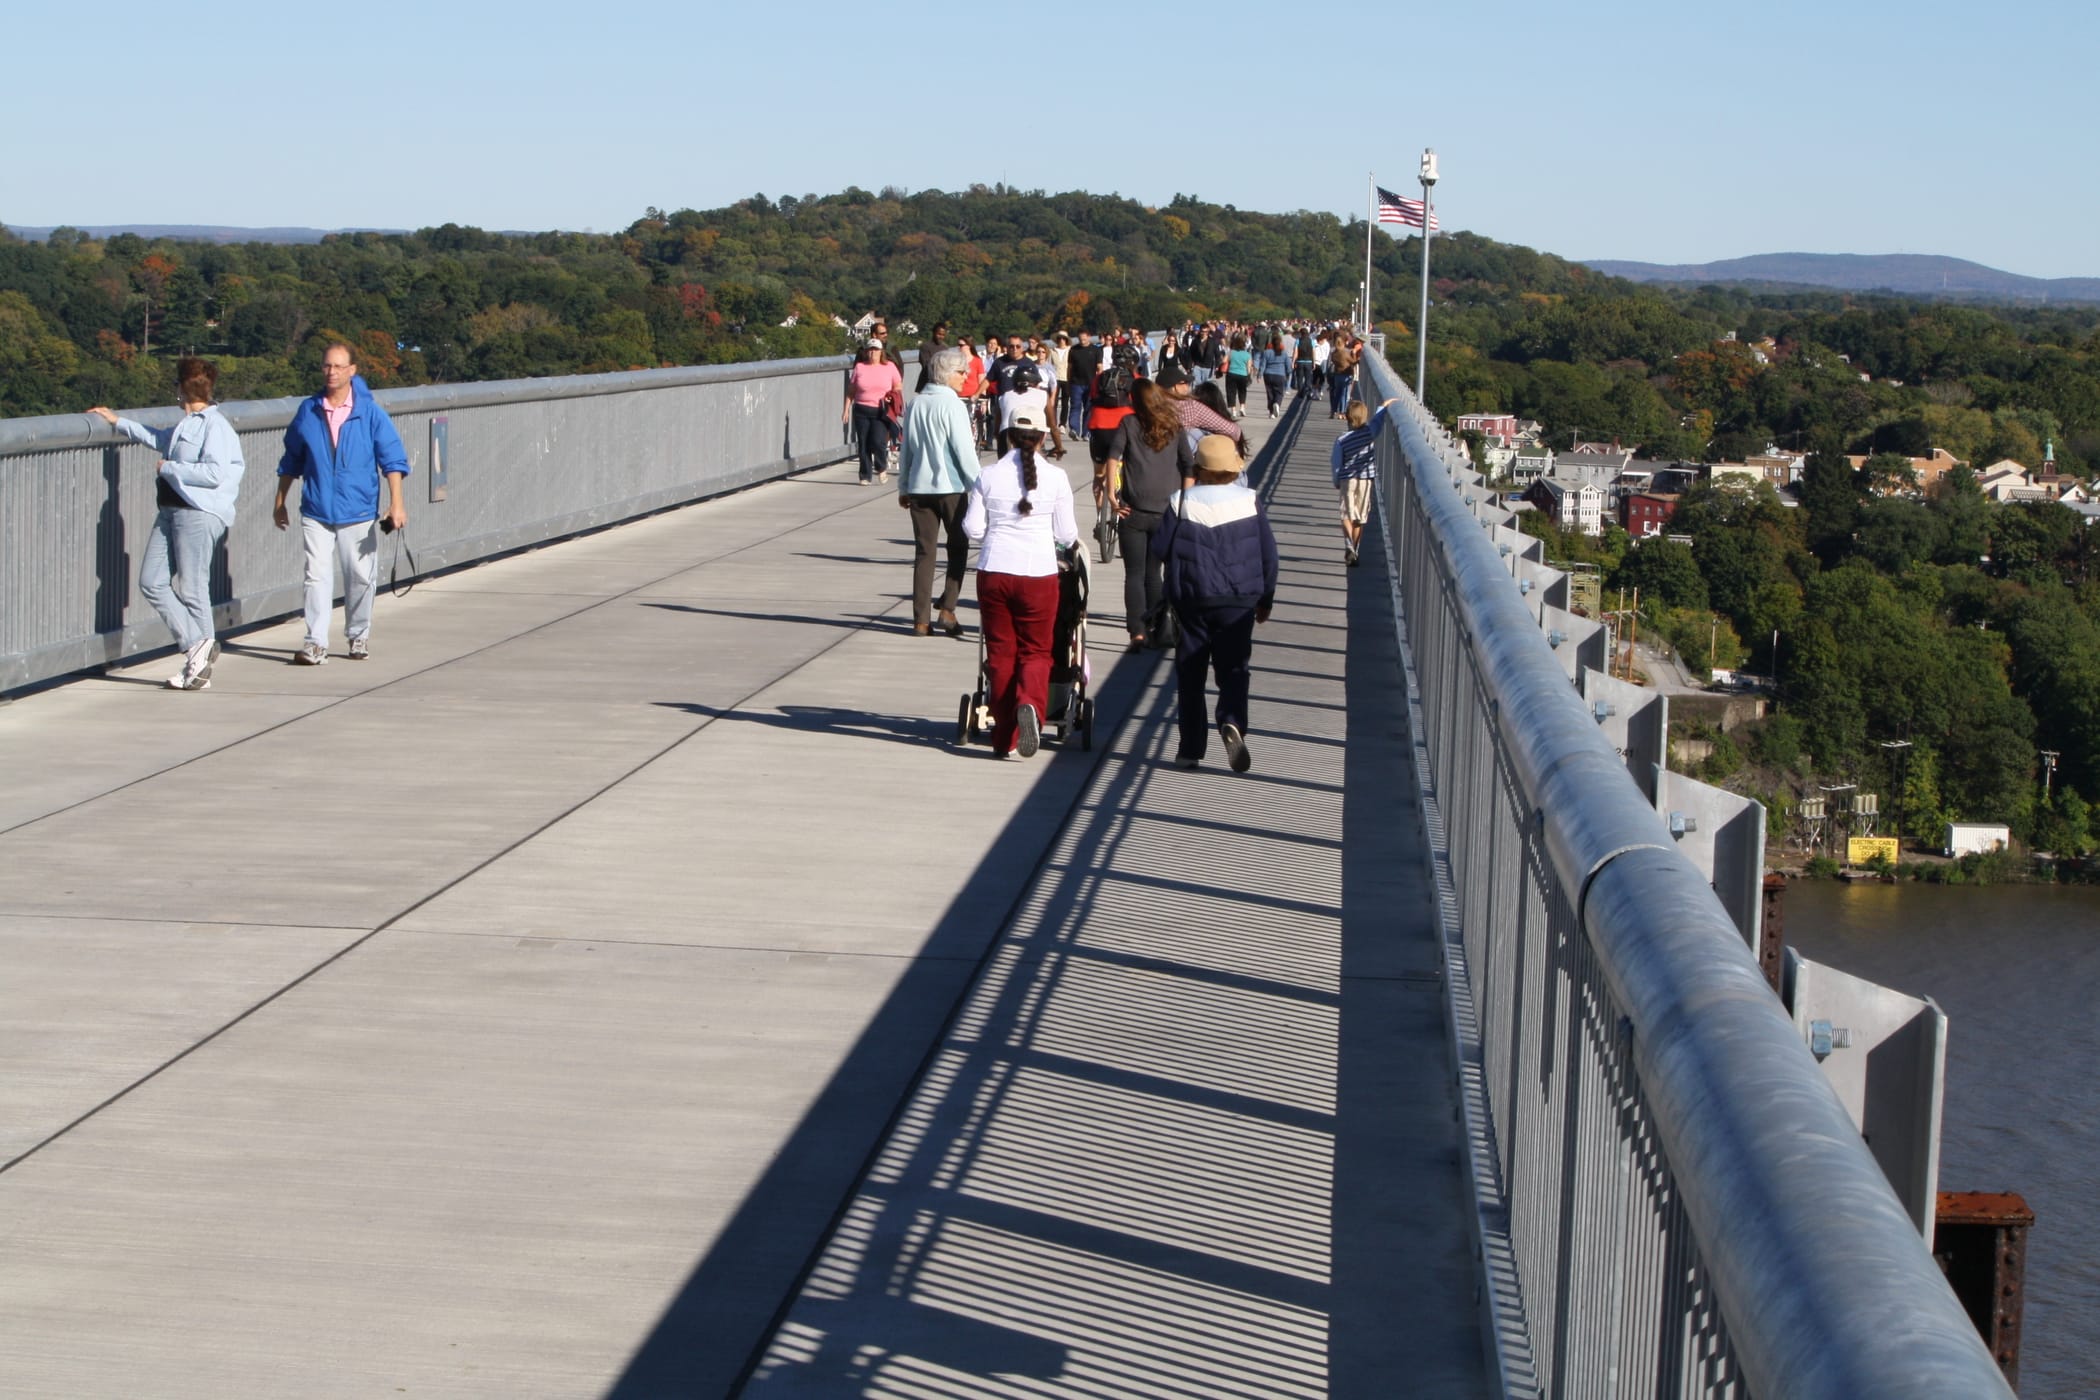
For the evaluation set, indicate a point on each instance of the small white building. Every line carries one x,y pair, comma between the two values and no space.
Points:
1964,838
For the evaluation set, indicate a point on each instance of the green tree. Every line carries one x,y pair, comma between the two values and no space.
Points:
2063,824
2035,541
1924,817
36,360
1964,516
1665,572
1832,499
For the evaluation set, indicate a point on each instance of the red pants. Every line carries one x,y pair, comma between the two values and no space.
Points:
1018,614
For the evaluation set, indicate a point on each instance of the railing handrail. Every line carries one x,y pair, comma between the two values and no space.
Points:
1825,1284
61,430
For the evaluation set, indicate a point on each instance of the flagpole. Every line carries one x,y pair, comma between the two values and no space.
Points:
1422,322
1370,218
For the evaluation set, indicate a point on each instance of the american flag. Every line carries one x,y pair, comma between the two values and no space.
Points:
1392,209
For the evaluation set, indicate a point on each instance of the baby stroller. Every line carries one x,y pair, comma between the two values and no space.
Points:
1071,707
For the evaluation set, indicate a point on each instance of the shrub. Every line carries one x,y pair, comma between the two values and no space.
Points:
1776,741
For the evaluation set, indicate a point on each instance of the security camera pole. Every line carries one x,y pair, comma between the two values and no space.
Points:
1428,223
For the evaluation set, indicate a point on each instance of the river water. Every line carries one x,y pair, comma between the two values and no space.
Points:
2017,970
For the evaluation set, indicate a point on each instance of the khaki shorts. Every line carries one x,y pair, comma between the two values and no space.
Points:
1356,499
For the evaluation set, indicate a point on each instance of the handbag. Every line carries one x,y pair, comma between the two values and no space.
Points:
1162,623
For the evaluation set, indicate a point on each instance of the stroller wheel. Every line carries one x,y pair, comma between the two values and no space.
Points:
1086,724
962,723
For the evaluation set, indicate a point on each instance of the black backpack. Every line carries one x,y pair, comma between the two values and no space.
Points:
1113,390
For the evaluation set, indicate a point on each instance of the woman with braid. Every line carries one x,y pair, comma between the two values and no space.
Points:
1019,513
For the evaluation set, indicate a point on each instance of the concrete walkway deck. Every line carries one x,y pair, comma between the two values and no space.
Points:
513,1013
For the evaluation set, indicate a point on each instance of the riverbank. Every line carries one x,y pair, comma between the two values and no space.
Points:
1980,868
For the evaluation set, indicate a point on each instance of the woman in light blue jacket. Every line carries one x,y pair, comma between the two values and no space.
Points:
199,479
937,466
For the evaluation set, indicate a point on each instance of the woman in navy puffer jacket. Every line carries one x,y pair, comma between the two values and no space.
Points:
1220,557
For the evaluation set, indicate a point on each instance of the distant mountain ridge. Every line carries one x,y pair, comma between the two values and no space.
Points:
200,233
1910,274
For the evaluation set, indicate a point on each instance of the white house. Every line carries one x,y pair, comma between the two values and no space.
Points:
1573,505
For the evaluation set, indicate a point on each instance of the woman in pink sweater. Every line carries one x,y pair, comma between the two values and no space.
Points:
869,385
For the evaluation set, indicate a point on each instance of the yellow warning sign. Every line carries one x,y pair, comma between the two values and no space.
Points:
1862,850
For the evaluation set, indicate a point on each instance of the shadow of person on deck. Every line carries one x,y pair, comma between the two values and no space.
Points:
916,730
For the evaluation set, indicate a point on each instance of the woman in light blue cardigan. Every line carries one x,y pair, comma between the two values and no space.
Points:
199,479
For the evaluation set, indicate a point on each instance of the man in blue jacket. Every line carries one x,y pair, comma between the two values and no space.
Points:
1221,577
339,445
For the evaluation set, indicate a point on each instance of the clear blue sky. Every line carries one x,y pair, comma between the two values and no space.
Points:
1669,132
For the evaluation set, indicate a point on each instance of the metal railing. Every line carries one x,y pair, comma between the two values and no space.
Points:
1670,1199
525,461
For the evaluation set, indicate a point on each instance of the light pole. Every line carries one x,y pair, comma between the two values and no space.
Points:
2049,757
1422,321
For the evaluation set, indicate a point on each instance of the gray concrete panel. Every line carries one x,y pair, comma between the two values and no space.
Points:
92,1005
446,1166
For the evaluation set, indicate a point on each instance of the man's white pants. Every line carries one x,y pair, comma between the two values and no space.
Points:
356,549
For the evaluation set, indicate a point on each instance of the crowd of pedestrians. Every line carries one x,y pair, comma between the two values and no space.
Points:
1160,416
1161,419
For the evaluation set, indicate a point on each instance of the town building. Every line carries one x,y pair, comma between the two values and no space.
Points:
1499,429
1594,463
1776,466
1737,474
1929,470
1644,514
2007,480
1574,507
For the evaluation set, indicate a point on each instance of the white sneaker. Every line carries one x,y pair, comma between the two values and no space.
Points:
1235,748
312,654
1030,735
196,667
359,649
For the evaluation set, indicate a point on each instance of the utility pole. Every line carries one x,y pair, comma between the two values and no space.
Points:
1898,751
2049,757
1633,639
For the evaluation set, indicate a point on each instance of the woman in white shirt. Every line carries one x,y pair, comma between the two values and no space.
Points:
1020,512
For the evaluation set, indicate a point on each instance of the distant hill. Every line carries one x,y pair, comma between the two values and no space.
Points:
1910,274
194,233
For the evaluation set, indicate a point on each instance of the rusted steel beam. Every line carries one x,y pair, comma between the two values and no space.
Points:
1980,1240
